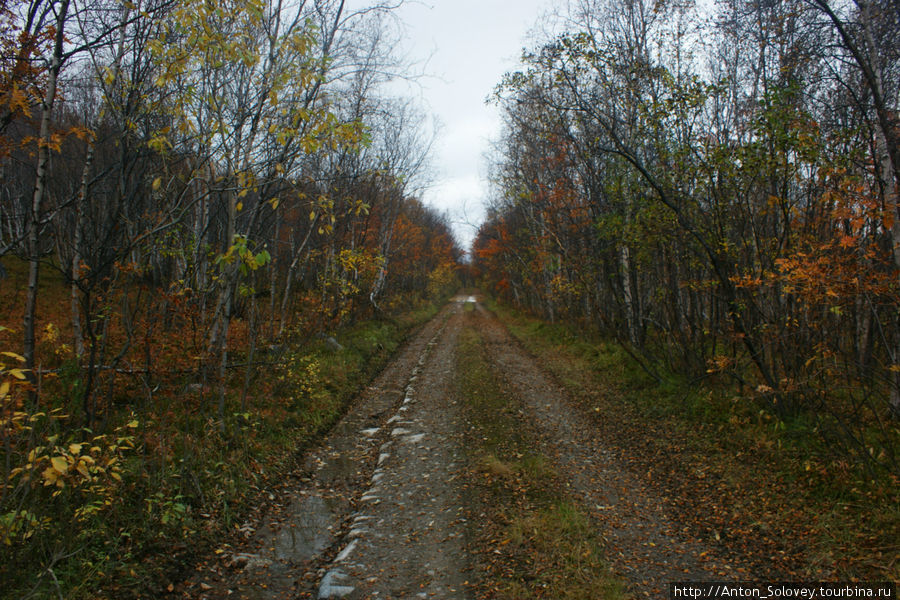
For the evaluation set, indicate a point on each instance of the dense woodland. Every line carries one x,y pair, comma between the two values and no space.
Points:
201,201
716,187
189,189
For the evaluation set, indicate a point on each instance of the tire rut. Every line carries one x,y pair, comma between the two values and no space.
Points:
376,512
407,536
645,545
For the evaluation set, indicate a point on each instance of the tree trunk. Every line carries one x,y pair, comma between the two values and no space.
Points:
80,223
37,200
628,297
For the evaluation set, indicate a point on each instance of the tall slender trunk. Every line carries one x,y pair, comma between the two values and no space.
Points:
37,200
218,339
387,237
80,223
887,157
628,297
273,272
291,273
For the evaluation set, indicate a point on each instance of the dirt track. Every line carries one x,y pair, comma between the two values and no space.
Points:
379,511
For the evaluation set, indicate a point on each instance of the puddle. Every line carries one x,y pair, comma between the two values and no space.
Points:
338,468
298,541
308,533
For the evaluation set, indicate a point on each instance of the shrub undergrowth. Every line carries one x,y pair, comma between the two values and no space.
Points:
122,510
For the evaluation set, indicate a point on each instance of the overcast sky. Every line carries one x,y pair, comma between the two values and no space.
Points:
469,45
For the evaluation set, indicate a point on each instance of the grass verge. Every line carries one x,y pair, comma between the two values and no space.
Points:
532,540
783,500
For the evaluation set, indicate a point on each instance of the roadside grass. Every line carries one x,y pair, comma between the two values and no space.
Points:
783,495
531,539
182,480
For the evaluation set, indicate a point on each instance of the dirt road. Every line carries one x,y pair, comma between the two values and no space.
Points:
381,510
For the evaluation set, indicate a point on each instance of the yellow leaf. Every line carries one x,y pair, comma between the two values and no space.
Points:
83,469
17,373
50,476
115,476
74,448
157,183
4,389
239,206
13,354
60,464
132,424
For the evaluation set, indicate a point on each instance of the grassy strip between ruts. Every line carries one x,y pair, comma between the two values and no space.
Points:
186,484
782,500
531,540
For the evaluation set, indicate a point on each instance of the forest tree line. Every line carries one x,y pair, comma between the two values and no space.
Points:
219,153
716,187
187,189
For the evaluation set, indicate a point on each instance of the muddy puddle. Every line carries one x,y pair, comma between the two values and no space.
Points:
285,550
309,532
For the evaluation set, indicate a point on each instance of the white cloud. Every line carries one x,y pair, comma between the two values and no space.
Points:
471,44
